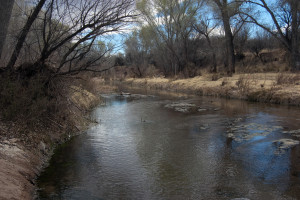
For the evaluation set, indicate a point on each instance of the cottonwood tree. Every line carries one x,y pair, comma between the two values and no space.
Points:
283,23
135,54
226,10
144,48
294,6
5,13
173,22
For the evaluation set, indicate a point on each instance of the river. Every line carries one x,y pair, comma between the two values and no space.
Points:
179,147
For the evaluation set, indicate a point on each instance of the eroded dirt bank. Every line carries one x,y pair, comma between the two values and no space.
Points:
23,154
280,88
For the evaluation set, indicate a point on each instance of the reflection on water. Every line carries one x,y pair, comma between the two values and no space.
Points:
142,150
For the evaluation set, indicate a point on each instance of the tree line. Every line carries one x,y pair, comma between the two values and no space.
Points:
176,35
66,36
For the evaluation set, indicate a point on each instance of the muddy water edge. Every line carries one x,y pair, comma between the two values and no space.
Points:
165,146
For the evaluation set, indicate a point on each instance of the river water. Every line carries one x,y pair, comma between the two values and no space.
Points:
144,147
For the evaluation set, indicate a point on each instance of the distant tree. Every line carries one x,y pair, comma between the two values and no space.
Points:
136,54
204,28
5,13
173,23
260,41
240,40
119,60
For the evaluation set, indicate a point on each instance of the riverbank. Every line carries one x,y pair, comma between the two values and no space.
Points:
279,88
23,153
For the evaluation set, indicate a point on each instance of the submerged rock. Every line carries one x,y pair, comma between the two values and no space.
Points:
286,143
250,131
203,127
231,135
130,96
293,132
182,107
125,94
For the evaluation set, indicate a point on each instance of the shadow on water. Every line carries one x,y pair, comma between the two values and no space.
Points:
143,150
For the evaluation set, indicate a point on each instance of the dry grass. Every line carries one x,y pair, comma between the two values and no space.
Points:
82,98
100,85
289,79
264,87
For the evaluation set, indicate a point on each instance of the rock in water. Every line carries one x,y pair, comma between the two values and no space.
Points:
285,143
182,107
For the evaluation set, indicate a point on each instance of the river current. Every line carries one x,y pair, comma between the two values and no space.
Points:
179,147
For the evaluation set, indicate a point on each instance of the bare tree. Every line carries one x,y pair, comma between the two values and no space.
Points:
223,8
173,22
205,28
86,22
5,12
227,9
284,24
295,11
23,34
135,54
68,33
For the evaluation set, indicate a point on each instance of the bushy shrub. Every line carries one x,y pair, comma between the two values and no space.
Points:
23,99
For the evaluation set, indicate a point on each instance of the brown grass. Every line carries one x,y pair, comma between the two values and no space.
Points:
286,78
263,87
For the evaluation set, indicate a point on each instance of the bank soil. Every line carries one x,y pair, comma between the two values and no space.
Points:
279,88
24,153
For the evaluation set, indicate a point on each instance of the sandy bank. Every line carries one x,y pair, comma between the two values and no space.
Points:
21,161
260,87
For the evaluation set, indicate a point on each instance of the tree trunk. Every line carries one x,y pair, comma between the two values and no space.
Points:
229,42
295,56
213,68
214,64
5,13
23,34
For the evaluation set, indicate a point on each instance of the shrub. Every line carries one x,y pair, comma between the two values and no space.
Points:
23,99
284,78
243,85
151,71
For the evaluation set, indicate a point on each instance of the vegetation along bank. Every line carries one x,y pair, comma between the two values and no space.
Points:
279,88
26,144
